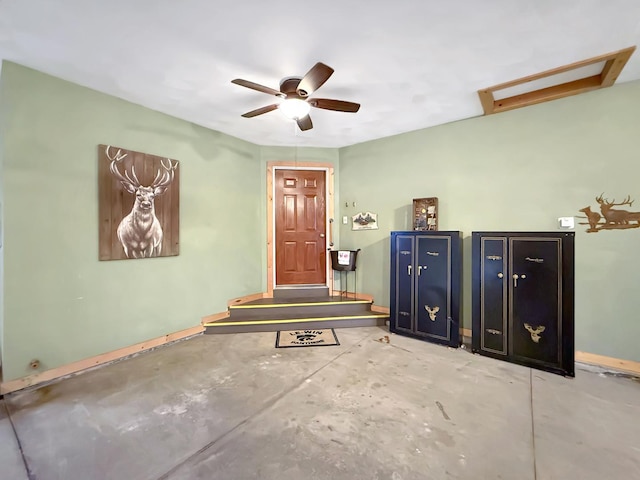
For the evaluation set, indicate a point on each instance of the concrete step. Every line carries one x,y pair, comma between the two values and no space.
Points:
278,313
366,319
273,308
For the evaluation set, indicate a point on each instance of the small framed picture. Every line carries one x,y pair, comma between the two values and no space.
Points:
364,221
425,213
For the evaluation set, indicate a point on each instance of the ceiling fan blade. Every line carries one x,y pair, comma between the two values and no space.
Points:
338,105
257,86
314,79
260,111
305,123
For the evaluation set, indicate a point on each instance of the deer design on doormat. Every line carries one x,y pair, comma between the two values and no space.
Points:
613,218
140,232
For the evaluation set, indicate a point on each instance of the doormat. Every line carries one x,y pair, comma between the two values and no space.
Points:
306,338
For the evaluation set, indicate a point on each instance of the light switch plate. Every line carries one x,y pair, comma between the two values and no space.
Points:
345,220
566,223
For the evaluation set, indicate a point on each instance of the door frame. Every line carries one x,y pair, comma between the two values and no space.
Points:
328,168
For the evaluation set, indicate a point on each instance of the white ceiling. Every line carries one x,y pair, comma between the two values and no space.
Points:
410,63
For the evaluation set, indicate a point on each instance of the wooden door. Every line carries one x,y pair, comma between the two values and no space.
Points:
300,223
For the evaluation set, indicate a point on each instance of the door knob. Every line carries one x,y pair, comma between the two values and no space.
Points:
500,275
322,235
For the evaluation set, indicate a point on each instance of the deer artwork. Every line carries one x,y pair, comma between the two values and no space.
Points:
592,217
616,217
140,232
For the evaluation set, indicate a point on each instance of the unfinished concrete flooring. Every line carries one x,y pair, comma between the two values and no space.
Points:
234,407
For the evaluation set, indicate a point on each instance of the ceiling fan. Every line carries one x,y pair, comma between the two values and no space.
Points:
295,91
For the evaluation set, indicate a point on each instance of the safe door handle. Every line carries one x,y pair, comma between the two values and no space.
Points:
516,277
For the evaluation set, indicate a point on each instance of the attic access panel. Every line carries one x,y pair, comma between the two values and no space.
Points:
613,63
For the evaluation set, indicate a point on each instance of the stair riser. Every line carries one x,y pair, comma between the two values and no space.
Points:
301,325
300,292
299,311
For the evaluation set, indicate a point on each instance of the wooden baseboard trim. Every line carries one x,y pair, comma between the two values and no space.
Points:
214,317
247,298
354,295
627,366
87,363
379,309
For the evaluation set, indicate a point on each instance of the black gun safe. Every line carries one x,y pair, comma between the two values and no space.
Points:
425,285
523,298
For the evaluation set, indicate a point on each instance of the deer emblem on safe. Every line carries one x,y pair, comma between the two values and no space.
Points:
432,312
140,232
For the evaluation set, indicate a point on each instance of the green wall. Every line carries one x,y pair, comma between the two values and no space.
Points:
2,117
60,303
518,170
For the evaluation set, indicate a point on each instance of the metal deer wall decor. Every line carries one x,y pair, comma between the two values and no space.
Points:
138,203
611,218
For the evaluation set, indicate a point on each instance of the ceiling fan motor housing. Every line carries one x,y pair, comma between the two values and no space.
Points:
289,85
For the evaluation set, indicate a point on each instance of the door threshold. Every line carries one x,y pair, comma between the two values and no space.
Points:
297,291
311,285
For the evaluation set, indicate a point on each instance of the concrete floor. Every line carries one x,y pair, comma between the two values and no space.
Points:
234,407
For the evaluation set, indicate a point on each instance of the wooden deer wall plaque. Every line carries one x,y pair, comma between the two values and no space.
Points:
139,204
611,218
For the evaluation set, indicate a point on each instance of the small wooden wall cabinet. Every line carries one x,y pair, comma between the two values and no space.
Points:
425,286
523,298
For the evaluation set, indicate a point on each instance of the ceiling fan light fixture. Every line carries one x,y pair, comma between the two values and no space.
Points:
293,99
294,108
